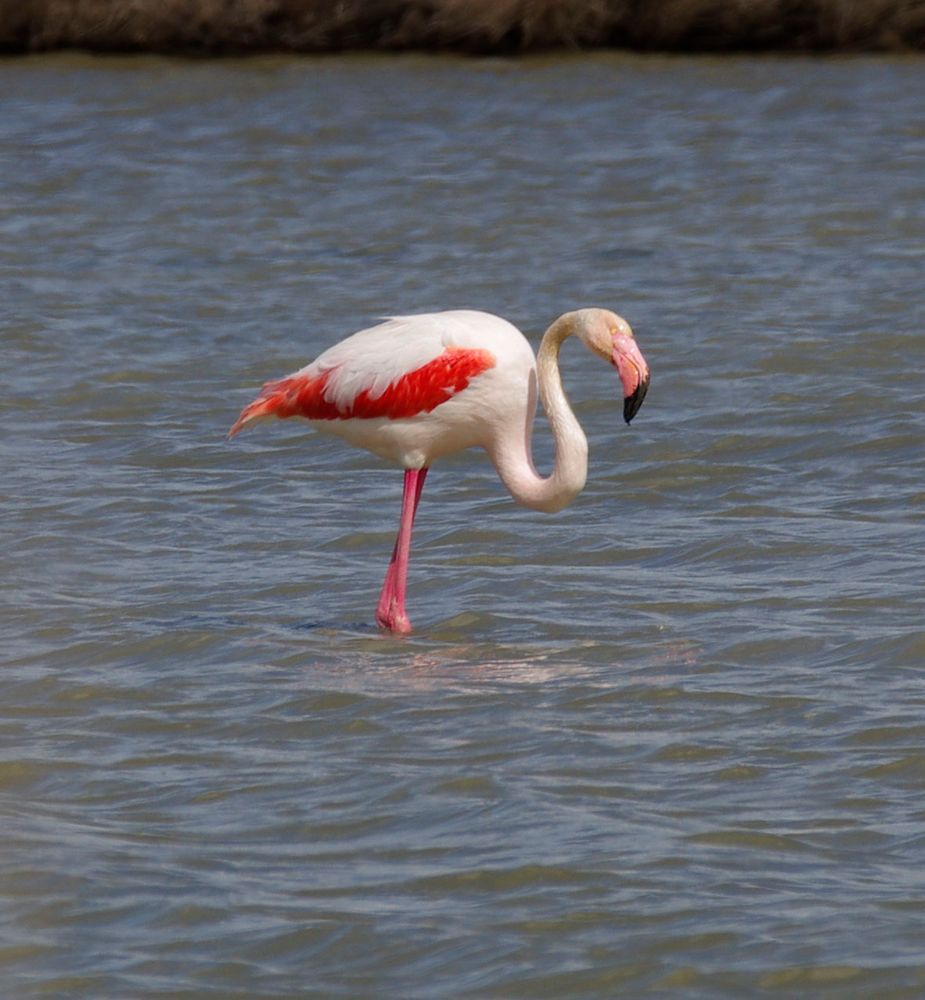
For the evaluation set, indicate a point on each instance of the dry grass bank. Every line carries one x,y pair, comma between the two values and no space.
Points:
207,27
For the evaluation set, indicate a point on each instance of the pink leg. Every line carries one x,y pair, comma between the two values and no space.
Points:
390,612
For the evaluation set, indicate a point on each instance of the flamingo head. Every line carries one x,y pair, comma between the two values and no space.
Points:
610,337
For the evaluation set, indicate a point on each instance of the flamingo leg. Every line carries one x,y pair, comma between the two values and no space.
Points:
390,612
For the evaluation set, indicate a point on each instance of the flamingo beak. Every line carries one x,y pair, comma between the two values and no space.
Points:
633,371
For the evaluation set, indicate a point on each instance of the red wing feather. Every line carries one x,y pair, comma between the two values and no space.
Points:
419,391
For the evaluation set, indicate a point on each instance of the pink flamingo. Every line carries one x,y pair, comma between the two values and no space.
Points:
415,388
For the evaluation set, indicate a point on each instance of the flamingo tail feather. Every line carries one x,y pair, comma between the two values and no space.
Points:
276,399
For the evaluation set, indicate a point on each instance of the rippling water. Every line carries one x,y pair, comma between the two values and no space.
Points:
670,741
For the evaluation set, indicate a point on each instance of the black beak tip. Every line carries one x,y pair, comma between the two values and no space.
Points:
632,403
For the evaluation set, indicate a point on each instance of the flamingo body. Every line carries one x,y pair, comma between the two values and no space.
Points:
416,388
413,388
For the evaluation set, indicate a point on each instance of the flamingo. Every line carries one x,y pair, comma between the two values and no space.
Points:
416,388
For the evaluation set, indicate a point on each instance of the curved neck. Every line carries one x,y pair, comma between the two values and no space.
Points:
513,452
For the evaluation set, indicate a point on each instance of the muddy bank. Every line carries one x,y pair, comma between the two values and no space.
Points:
217,27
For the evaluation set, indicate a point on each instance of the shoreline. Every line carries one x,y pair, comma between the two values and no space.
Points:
466,27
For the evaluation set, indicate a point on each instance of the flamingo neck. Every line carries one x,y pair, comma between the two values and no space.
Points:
513,454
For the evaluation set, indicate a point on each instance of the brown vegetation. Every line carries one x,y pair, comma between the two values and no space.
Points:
205,27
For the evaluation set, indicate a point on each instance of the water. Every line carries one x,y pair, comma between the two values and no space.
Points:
667,742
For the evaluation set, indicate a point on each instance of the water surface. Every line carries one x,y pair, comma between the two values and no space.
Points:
669,741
